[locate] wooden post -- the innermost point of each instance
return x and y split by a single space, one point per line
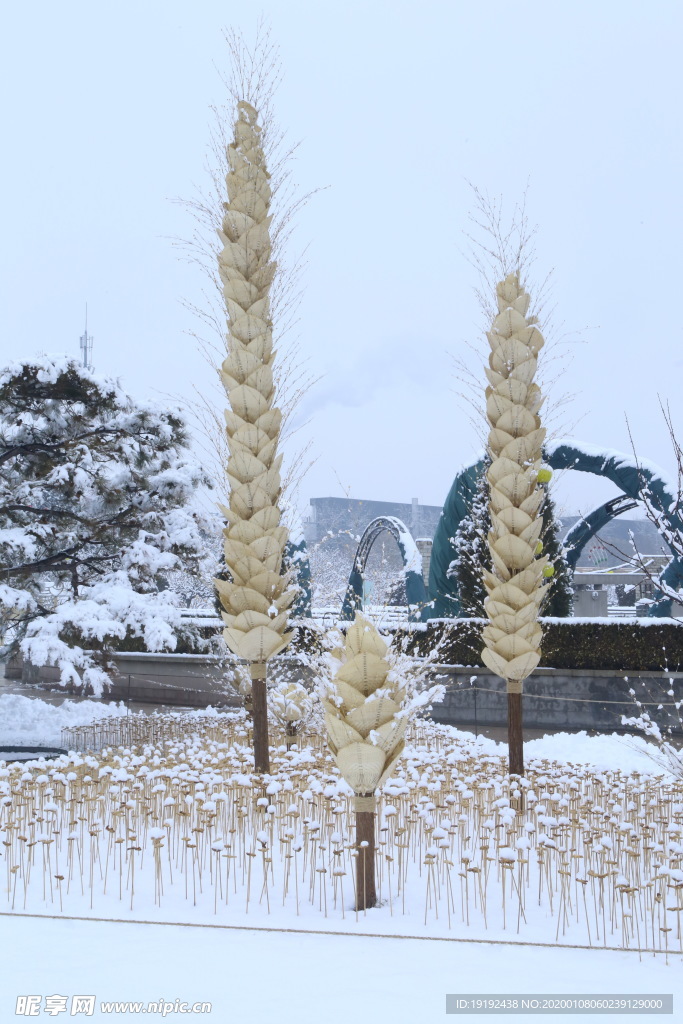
366 893
260 717
515 731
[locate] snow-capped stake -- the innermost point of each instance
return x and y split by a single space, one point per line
257 599
515 586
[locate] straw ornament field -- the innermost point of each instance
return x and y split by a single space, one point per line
172 823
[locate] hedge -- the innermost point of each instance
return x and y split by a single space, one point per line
567 643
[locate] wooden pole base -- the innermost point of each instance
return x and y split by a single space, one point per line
515 735
260 720
366 893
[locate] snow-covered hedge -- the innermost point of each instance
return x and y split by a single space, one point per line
635 645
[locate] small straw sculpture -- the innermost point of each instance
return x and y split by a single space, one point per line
365 730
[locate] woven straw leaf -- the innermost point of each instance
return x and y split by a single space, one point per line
502 622
340 732
499 439
497 611
516 486
523 666
251 438
532 633
262 347
245 466
509 288
512 595
535 399
266 547
506 353
525 370
250 619
250 202
248 403
528 579
496 406
532 504
263 277
499 500
517 421
390 735
235 224
501 468
491 634
500 565
238 599
366 672
249 498
532 337
514 551
494 378
267 518
513 390
258 644
232 422
240 291
516 521
509 322
371 714
532 533
361 764
523 450
494 662
270 584
239 364
512 645
248 327
242 569
352 697
270 422
363 637
391 761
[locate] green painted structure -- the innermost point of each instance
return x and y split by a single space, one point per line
633 479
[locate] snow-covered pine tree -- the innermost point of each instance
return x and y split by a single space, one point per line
558 601
93 496
472 554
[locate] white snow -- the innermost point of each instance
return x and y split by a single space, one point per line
27 720
262 977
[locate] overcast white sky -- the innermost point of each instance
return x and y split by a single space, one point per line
398 104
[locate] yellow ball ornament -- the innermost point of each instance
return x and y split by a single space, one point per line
548 571
539 547
544 476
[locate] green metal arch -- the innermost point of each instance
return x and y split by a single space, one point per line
630 477
415 589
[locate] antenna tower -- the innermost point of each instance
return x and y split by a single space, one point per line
86 345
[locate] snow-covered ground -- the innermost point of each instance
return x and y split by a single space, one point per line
242 934
27 720
258 977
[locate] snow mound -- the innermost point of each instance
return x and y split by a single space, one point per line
27 720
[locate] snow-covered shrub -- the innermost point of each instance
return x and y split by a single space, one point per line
94 499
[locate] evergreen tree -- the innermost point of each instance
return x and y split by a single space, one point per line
472 554
92 512
558 601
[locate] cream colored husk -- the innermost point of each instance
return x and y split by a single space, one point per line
515 587
257 599
362 711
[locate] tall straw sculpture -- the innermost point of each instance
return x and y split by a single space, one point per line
257 599
515 587
365 730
